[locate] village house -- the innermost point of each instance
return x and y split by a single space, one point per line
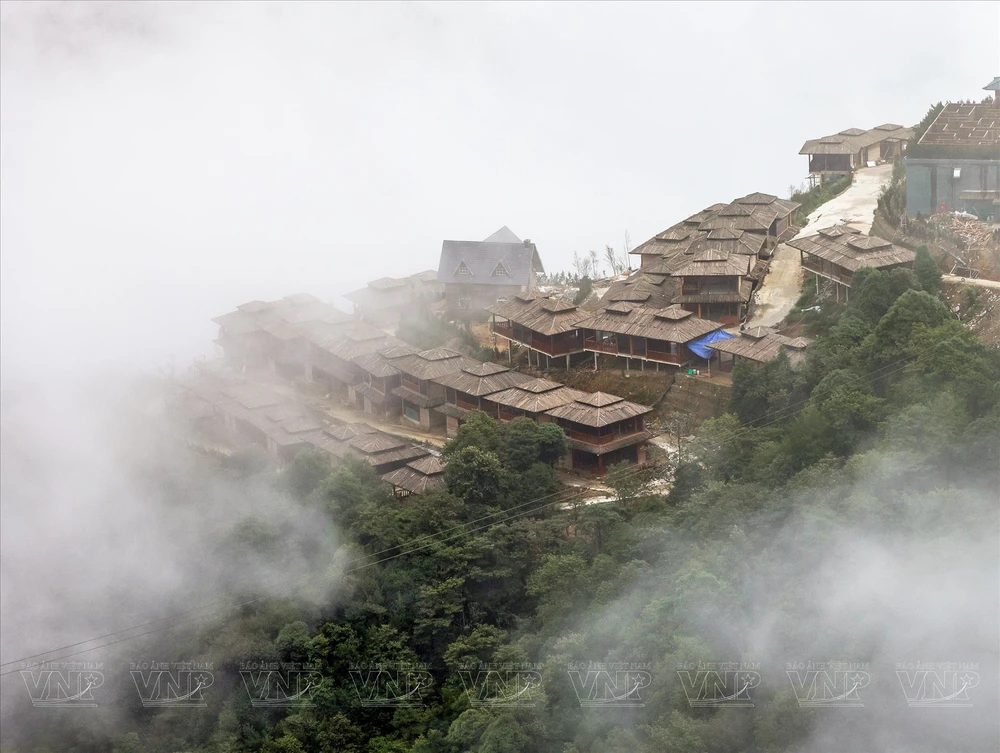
378 378
419 391
333 359
383 452
252 414
716 285
416 477
601 429
271 334
466 388
836 253
759 345
652 287
545 326
710 262
528 399
654 336
676 239
956 163
477 274
760 213
383 301
842 153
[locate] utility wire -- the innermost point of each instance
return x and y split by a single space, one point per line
434 537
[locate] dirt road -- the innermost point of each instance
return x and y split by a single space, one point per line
783 283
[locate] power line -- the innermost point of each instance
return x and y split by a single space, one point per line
462 528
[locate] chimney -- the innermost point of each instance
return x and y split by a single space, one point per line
527 241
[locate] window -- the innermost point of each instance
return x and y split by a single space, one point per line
501 271
957 173
463 270
411 411
465 303
501 300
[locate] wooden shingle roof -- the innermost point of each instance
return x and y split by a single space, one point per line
853 140
482 380
547 316
672 324
849 249
433 363
535 395
711 263
418 476
598 409
762 344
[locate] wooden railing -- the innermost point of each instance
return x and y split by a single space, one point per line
600 346
828 273
559 348
504 330
675 358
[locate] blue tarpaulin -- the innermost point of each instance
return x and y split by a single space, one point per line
702 346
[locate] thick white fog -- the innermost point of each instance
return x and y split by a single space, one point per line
161 162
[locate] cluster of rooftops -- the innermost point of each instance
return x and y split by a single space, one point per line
302 338
261 414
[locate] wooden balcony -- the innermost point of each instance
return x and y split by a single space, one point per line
504 330
601 346
558 348
827 270
650 355
674 358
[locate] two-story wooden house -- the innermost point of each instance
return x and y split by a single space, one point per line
372 393
466 389
271 334
653 336
333 360
716 285
529 399
602 429
545 326
383 301
419 391
757 212
676 239
836 253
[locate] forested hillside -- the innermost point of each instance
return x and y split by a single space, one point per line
841 512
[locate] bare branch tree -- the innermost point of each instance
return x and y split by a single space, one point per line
612 259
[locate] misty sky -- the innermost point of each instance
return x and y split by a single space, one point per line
160 163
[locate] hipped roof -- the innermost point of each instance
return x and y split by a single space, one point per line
849 249
482 380
539 313
853 140
598 409
762 344
672 324
536 396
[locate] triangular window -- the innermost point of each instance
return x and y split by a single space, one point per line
463 269
501 271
